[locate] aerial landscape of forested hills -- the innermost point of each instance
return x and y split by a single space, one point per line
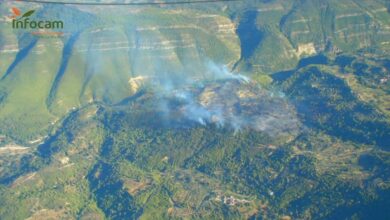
252 109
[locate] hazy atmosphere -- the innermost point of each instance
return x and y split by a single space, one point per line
243 109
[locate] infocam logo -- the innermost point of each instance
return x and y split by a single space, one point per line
23 21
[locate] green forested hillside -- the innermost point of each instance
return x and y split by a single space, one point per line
105 51
251 109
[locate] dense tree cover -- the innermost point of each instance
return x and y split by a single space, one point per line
110 195
325 101
131 161
243 162
147 171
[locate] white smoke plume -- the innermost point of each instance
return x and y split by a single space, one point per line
225 99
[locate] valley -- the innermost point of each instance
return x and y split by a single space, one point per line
236 110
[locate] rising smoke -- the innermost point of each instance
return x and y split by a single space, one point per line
225 99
